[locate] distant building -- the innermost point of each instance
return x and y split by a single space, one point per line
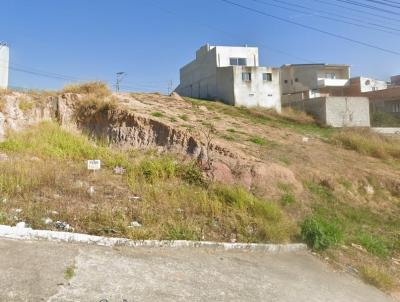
387 101
321 90
395 80
4 57
232 75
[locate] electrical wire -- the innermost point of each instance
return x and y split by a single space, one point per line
386 50
327 17
382 17
330 13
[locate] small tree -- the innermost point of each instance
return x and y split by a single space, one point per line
209 134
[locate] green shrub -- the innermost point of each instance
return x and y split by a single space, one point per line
374 244
181 232
288 198
184 117
258 141
192 174
157 168
157 114
320 233
321 191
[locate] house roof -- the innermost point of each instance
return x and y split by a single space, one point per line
316 64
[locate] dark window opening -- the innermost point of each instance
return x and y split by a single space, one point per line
238 61
246 76
267 77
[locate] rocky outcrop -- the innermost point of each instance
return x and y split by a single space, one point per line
20 111
129 129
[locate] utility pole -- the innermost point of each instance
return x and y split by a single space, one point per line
170 87
120 76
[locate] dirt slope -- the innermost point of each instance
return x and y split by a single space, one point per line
286 159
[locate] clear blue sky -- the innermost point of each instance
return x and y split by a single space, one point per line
152 39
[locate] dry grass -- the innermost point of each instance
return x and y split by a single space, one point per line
366 142
377 277
297 116
97 88
175 200
92 105
26 104
2 104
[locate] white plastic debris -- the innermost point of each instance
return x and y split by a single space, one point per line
47 220
135 224
54 212
21 225
306 139
91 190
369 189
18 210
135 198
119 170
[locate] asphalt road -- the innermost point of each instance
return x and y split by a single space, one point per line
35 271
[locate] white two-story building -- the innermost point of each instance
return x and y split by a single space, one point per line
231 75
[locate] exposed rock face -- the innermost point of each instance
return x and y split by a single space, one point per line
20 111
129 129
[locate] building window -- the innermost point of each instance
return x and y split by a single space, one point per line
267 77
330 75
396 108
296 80
238 61
286 81
246 76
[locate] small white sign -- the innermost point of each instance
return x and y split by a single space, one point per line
94 164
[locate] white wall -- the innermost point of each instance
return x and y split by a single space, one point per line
210 76
198 78
224 53
257 92
368 84
303 77
4 58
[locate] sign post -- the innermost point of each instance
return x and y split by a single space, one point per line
94 164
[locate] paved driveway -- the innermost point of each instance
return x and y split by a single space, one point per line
35 271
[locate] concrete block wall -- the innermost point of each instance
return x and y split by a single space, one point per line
337 111
347 112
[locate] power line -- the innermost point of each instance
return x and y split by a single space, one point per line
386 18
327 17
384 3
313 28
337 15
261 46
375 8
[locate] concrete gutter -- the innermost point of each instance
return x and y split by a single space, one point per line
30 234
387 130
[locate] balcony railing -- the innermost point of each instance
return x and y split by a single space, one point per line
323 82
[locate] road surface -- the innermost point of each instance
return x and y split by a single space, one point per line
36 271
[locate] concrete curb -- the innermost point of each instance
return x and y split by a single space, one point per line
30 234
